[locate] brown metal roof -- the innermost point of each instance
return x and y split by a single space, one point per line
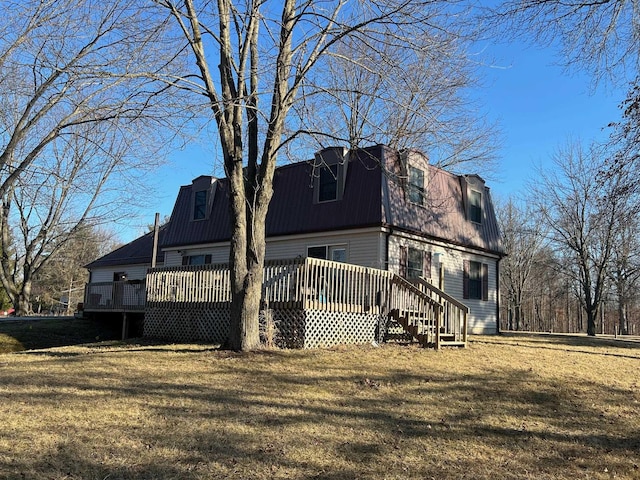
374 195
137 252
292 210
443 216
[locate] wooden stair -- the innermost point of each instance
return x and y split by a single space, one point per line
431 317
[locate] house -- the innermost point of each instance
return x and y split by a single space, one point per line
373 207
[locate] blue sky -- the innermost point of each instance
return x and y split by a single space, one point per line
540 107
537 105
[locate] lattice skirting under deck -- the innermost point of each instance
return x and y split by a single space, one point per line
278 327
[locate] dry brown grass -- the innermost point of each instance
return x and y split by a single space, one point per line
520 407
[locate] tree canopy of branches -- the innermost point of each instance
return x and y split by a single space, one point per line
600 36
73 104
266 57
583 217
402 95
59 284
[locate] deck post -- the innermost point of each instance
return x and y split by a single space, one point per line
438 326
125 326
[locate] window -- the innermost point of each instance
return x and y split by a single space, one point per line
475 206
317 252
339 254
328 186
336 253
414 263
200 205
196 259
476 280
416 186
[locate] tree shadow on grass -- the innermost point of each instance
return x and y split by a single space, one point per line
59 332
244 420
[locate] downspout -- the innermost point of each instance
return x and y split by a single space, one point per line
386 249
498 331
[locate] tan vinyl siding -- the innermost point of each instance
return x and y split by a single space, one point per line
483 314
363 248
105 274
219 254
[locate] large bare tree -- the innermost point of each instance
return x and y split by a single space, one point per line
253 60
582 215
77 95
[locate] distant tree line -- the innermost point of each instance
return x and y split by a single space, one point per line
573 248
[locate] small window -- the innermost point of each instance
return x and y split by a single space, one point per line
200 205
328 186
339 254
416 186
336 253
196 260
317 252
475 206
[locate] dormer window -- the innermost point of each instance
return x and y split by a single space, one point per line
475 206
200 205
472 190
328 186
415 190
203 192
329 174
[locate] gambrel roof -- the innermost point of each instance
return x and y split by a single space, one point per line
374 195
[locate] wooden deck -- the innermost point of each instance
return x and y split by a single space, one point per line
126 296
429 315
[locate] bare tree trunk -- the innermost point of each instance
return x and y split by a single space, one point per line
22 301
591 322
622 318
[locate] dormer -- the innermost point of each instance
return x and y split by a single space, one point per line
473 188
330 174
203 191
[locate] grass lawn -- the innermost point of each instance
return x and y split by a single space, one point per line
509 407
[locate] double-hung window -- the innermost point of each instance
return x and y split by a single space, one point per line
328 186
200 205
475 206
476 280
415 190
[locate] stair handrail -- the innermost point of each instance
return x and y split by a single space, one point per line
432 288
397 281
459 331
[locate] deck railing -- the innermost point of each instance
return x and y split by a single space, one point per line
115 296
306 283
301 283
342 287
